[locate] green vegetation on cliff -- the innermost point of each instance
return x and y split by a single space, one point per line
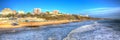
49 16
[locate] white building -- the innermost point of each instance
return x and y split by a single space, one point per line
56 12
37 10
21 12
6 11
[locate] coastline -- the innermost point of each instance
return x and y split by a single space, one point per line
34 24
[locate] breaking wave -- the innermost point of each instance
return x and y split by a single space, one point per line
96 31
88 30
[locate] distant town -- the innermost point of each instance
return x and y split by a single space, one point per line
10 17
7 11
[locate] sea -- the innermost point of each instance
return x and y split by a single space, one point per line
86 30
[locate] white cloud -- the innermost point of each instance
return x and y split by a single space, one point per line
102 10
111 12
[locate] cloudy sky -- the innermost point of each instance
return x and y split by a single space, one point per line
65 6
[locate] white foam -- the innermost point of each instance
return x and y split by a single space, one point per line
101 32
80 29
85 28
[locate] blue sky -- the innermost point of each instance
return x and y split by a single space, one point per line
65 6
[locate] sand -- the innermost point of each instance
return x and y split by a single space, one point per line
32 24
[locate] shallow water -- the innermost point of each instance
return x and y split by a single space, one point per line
88 30
102 30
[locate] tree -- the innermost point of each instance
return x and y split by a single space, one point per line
28 13
0 15
10 15
60 13
47 12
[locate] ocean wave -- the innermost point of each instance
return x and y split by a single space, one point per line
88 30
96 31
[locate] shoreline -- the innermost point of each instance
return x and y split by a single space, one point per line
35 24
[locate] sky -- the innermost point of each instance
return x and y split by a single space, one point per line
64 6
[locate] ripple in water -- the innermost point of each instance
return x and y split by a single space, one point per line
51 32
96 31
88 30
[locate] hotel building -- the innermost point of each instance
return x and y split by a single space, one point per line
56 12
37 11
6 11
14 12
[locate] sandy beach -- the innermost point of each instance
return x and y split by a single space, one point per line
32 24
